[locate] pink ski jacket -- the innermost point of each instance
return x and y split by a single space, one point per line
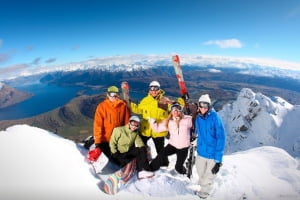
179 136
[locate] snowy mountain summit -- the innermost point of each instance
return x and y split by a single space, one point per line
37 164
255 120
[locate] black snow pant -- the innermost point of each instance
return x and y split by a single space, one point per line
167 151
159 143
104 146
138 153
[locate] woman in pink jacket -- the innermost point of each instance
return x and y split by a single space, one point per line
179 127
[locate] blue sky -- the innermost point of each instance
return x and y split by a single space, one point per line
45 32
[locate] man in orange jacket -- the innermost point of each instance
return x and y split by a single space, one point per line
110 113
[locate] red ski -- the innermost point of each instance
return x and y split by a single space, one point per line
181 83
125 92
192 111
179 76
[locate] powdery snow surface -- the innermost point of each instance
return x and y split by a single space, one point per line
37 164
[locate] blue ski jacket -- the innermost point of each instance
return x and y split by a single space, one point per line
211 136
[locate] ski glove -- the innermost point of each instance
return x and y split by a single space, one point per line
94 154
216 168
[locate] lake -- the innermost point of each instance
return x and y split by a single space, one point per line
46 98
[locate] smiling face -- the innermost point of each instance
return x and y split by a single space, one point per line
176 110
203 107
113 96
134 125
154 90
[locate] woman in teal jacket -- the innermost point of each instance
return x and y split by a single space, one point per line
210 145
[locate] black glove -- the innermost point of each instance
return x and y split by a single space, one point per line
216 168
115 155
193 138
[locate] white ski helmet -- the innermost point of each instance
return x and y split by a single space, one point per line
205 98
154 83
135 118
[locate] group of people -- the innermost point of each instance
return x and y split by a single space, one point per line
122 130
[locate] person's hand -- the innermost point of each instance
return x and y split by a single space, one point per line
94 154
193 139
115 155
151 120
216 168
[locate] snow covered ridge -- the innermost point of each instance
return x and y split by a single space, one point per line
37 164
1 85
254 66
255 120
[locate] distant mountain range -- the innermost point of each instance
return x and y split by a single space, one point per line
252 120
251 66
10 96
222 84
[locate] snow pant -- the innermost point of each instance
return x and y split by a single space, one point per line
159 143
167 151
138 153
104 146
206 177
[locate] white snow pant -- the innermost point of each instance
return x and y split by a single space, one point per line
206 177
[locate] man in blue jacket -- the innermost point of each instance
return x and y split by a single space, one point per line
210 145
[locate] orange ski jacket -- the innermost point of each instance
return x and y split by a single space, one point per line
109 115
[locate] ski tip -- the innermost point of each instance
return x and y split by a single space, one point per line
124 85
176 58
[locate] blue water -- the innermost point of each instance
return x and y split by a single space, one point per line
46 98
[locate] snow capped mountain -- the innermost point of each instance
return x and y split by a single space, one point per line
254 66
37 164
255 120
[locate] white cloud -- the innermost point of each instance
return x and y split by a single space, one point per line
230 43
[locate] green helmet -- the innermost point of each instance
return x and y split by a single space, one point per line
113 89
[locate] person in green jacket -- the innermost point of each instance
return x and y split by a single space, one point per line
126 144
155 105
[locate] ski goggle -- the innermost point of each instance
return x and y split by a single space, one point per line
113 94
203 104
134 125
177 107
154 88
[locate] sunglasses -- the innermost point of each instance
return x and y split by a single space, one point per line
153 88
113 94
134 125
203 105
176 107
